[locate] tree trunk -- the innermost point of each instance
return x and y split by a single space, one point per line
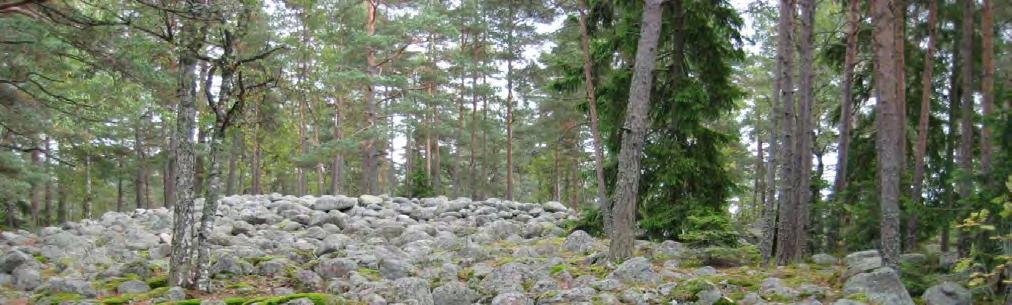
965 183
181 268
48 188
846 111
509 105
955 95
758 187
233 159
769 220
889 128
634 134
987 90
900 11
119 186
36 187
473 165
141 165
588 79
257 158
337 165
169 181
369 171
210 203
87 187
804 131
922 126
788 246
61 203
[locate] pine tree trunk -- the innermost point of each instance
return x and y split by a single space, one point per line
987 90
36 187
473 165
87 188
788 248
955 96
965 184
634 134
769 220
169 181
61 204
900 10
369 170
141 165
119 187
758 187
888 122
922 127
337 165
255 188
48 188
846 111
588 79
804 130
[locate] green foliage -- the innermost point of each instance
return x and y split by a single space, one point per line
590 221
731 256
418 185
714 229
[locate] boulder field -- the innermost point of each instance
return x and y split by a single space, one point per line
274 249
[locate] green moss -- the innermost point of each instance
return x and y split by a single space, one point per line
557 269
257 260
41 259
316 298
465 274
57 298
183 302
158 281
117 300
235 301
369 273
688 290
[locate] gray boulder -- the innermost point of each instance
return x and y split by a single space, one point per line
366 200
338 267
26 277
12 260
578 241
824 259
862 261
74 286
394 269
946 293
507 278
636 270
307 281
881 286
512 298
412 288
133 286
554 206
454 293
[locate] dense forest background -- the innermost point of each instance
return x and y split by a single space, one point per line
490 99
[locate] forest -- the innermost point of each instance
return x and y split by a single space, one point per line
860 147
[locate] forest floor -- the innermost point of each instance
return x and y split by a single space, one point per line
274 249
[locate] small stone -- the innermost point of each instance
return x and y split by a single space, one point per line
512 298
366 200
579 242
335 267
300 301
412 288
175 294
307 281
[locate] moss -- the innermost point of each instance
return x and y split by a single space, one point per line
158 281
183 302
235 300
369 273
58 298
465 274
557 269
117 300
688 290
257 260
731 257
41 259
316 298
238 285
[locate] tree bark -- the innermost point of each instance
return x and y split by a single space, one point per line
61 203
473 165
141 164
770 211
987 90
588 79
888 121
36 187
955 95
965 159
634 131
509 105
846 112
47 201
233 159
87 187
922 126
337 166
169 182
119 186
788 246
369 170
804 131
181 270
255 187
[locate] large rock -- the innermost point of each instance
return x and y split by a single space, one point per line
133 286
862 261
12 260
824 259
636 270
367 200
75 286
26 277
579 242
507 278
328 203
554 206
946 293
454 293
412 288
881 286
512 298
338 267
